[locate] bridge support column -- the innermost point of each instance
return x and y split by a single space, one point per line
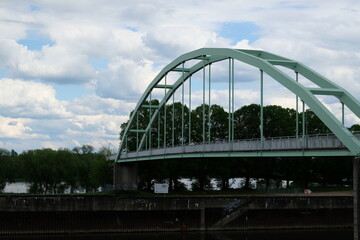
125 176
356 190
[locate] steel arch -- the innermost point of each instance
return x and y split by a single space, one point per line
266 62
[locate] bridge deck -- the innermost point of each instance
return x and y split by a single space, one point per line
316 145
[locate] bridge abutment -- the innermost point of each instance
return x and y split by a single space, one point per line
125 176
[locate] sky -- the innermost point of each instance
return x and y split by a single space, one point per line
71 71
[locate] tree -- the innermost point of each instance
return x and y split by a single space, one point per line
173 171
51 171
332 170
9 167
68 165
4 152
86 162
100 171
224 170
313 124
200 169
197 124
218 123
42 172
4 167
174 124
149 172
279 121
355 128
247 122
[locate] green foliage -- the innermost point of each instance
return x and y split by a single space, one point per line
219 123
355 128
247 122
50 171
279 121
313 124
9 167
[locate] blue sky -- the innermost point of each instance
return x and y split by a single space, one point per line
34 41
70 72
239 30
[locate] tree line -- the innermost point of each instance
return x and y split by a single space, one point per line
278 121
54 171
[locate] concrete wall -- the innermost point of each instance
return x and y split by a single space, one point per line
24 214
44 203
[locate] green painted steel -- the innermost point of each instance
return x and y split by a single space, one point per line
164 86
267 63
233 100
262 109
182 108
165 116
203 105
138 130
149 106
209 115
308 153
189 109
297 108
229 129
303 124
172 121
342 114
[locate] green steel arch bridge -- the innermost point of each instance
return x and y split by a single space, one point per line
340 143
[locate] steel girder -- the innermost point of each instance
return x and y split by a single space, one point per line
266 62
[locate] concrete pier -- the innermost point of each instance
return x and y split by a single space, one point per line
125 176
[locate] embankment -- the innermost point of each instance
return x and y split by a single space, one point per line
25 214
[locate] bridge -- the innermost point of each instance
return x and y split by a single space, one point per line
308 146
153 141
343 142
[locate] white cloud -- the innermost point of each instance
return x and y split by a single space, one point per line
17 129
97 130
243 44
99 105
29 99
134 38
30 110
168 42
125 79
52 63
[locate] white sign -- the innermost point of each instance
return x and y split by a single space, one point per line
307 191
161 188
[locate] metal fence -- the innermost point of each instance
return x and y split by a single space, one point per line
309 142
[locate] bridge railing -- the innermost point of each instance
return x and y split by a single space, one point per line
308 142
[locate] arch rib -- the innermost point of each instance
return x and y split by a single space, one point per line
266 62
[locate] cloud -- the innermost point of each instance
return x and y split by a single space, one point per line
125 79
23 99
97 130
51 64
19 129
99 105
116 49
30 111
168 42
